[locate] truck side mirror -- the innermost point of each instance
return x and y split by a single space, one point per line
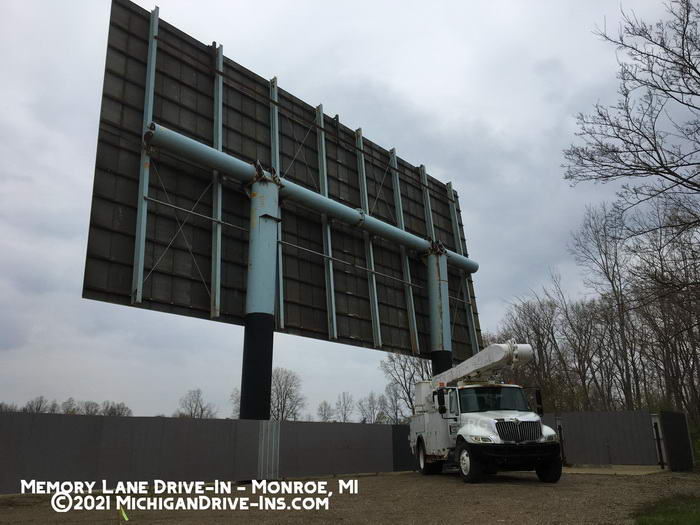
441 401
538 400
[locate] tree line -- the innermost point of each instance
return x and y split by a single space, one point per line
41 405
287 401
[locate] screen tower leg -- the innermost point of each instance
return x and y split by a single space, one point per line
256 377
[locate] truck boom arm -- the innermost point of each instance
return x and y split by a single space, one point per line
483 365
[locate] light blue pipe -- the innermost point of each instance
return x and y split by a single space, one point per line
262 248
199 153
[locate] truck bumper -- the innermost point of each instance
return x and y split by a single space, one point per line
524 456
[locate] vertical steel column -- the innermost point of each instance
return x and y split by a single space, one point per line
260 298
461 250
369 251
405 266
439 301
325 226
216 188
144 170
275 157
438 290
427 208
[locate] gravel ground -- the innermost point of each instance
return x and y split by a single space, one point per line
412 498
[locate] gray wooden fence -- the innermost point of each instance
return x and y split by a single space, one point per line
57 447
624 438
601 438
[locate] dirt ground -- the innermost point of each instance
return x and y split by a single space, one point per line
412 498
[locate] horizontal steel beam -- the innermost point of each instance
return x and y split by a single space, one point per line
199 153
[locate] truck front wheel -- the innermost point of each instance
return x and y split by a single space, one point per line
470 469
424 467
549 471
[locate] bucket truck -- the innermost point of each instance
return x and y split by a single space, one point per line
467 417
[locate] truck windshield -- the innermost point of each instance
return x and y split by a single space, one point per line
482 399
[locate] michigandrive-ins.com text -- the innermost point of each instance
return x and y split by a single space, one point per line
193 496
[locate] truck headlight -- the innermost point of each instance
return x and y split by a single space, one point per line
480 439
551 437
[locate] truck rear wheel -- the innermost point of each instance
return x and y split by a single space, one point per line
550 471
425 467
470 469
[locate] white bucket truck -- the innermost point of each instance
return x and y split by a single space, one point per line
467 418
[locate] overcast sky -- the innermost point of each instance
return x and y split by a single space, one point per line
483 93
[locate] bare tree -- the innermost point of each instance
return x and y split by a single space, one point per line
69 406
344 407
650 139
88 408
236 403
372 408
286 401
404 371
324 411
8 407
394 407
111 408
599 248
38 405
193 405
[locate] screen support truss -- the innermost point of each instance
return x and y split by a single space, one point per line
464 284
216 188
326 227
275 156
405 266
145 165
369 249
265 191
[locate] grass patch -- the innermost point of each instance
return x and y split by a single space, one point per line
674 510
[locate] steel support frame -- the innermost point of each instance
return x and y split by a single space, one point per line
325 226
405 265
204 155
256 377
266 191
275 158
217 187
144 166
369 249
427 208
464 279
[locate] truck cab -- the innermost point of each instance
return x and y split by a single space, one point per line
480 427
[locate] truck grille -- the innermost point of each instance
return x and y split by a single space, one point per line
519 431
